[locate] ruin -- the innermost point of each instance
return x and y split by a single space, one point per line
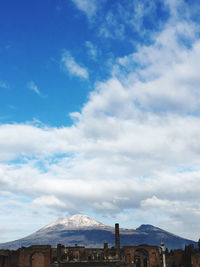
80 256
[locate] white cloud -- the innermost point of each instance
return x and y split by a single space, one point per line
28 140
158 87
155 202
112 22
72 67
89 7
111 27
51 201
129 18
92 50
32 86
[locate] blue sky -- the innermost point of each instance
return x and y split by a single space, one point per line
35 36
99 113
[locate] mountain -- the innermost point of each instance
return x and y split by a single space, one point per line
83 230
77 221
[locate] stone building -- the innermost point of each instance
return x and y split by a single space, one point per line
175 258
9 258
189 257
129 256
141 256
195 260
3 260
35 256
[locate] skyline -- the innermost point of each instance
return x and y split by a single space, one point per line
100 114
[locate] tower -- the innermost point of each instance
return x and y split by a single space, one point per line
117 240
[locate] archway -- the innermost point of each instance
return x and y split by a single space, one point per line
141 258
37 260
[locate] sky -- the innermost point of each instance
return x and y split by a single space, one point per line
100 113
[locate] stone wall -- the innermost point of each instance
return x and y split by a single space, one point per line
3 260
89 264
195 260
35 256
9 258
144 256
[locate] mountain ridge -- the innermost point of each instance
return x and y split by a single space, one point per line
83 230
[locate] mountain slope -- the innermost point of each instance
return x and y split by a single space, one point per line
83 230
77 221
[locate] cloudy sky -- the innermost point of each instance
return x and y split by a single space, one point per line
100 113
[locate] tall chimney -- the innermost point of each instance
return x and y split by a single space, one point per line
117 240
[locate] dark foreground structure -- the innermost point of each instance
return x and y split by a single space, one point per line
79 256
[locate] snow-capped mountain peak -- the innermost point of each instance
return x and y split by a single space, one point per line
75 222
